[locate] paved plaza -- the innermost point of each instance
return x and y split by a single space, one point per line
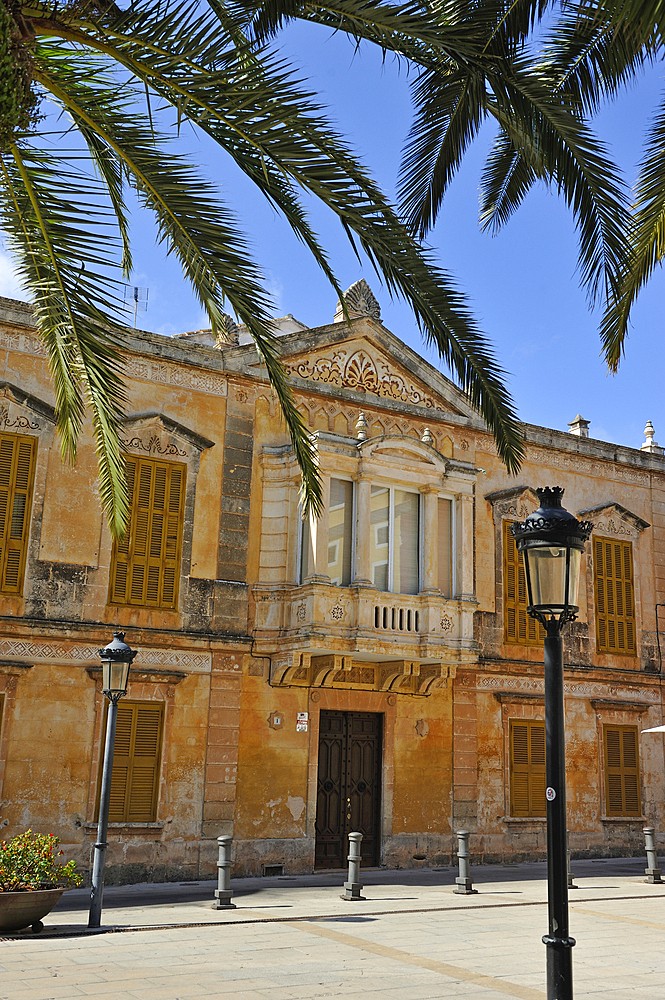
293 938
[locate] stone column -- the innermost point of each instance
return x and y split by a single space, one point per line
319 528
430 507
464 584
362 577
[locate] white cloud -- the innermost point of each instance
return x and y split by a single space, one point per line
10 286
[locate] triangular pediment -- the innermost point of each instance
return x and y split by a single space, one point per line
366 365
612 518
20 411
158 435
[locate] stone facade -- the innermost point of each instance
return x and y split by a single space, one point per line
263 650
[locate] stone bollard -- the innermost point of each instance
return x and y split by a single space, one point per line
571 884
464 880
223 891
652 871
353 887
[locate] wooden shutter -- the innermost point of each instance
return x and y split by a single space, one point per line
527 768
135 775
17 473
518 626
146 562
622 780
614 596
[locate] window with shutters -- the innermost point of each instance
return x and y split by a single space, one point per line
527 768
135 775
145 565
518 627
622 779
17 473
614 596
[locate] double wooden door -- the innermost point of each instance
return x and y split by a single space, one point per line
349 786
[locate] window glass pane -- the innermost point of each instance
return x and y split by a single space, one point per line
306 551
405 558
379 535
445 548
340 532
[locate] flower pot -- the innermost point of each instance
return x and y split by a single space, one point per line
26 909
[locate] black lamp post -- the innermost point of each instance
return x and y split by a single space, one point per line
116 660
551 541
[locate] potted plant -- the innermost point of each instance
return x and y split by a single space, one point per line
32 879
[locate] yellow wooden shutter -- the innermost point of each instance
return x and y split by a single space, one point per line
622 781
142 797
135 775
121 762
17 473
518 626
120 559
146 562
614 596
527 768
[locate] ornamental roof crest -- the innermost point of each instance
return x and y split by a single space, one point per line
357 367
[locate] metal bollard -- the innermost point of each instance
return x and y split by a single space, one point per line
464 880
223 891
353 887
571 884
652 871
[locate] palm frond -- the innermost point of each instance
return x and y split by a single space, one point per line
63 266
647 245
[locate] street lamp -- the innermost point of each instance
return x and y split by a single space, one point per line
551 541
116 660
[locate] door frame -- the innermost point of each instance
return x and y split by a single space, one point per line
341 700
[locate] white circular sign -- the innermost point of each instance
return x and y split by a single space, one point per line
550 794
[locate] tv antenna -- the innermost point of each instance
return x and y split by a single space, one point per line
136 300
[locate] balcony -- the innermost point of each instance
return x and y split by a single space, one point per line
320 635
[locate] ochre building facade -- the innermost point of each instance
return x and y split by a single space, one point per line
374 669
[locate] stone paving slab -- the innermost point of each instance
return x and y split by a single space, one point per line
295 939
474 953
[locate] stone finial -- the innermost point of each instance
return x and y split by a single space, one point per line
362 427
427 436
579 426
650 445
360 301
228 333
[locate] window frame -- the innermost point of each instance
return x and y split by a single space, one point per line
532 813
134 703
27 518
606 649
533 627
622 769
391 487
160 605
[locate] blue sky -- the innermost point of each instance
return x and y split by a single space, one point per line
521 284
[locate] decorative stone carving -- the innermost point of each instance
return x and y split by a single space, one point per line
422 727
427 437
301 612
614 519
362 427
446 623
360 301
517 502
337 612
153 446
362 373
228 334
20 422
175 374
36 651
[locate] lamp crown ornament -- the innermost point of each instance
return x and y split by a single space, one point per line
553 519
117 649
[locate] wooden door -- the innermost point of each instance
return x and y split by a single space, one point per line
349 786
